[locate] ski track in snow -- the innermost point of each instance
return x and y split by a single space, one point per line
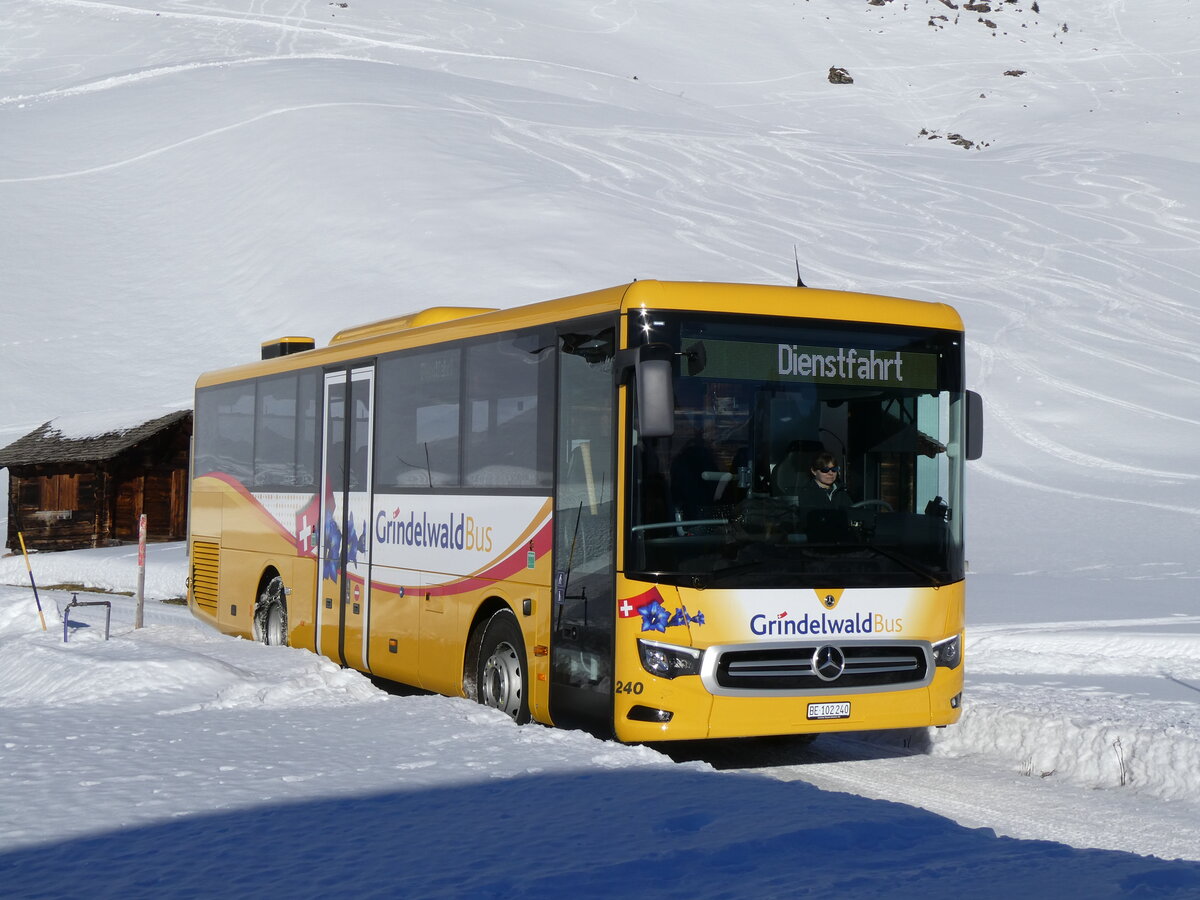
197 138
289 34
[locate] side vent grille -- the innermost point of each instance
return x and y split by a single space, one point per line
205 569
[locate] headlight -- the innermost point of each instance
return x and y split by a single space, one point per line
947 654
668 660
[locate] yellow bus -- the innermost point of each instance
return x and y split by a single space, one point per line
598 511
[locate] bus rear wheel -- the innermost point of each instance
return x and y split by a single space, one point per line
270 614
501 680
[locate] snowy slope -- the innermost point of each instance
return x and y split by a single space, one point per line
181 181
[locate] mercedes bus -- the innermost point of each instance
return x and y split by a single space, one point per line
597 511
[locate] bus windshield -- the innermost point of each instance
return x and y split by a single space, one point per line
735 497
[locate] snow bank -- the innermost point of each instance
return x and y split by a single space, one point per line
1091 738
1103 704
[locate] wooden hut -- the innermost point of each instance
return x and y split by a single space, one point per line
68 491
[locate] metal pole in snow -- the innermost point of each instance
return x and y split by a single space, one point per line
29 569
141 590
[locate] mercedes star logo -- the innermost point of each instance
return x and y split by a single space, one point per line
828 663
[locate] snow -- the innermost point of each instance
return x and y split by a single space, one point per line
104 422
111 569
173 761
184 181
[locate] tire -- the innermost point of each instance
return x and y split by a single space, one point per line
270 614
501 678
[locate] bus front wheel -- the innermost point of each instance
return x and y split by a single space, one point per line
501 680
270 614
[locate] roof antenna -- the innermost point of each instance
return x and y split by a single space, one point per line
799 280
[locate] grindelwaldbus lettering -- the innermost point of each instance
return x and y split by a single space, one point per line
824 624
454 532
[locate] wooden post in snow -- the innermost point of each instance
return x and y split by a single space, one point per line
141 589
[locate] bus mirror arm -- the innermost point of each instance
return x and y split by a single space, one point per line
650 365
974 425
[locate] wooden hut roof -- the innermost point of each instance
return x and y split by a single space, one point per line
48 445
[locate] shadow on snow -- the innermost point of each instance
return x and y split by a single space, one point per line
642 832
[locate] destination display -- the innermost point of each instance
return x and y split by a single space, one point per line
856 366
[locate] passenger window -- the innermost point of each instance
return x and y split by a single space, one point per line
507 426
225 439
417 416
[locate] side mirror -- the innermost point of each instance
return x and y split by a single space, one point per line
974 425
651 367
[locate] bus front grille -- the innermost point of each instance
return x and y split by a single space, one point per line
817 668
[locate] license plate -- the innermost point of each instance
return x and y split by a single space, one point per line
829 710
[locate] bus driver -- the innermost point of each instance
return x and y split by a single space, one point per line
816 489
823 490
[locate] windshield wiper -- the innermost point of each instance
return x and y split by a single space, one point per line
702 580
903 561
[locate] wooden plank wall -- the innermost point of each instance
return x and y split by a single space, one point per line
98 504
69 521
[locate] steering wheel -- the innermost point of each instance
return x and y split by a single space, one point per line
882 504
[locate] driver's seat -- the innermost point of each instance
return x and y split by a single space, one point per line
791 474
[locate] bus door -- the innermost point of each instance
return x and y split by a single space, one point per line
584 608
343 606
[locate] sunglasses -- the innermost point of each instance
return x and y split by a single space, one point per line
828 469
